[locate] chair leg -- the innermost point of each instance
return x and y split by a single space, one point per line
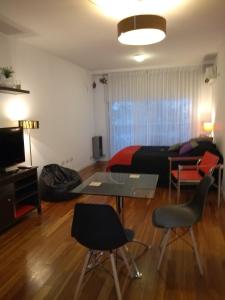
170 183
141 243
126 261
196 251
178 191
163 238
219 188
136 273
165 241
115 276
82 275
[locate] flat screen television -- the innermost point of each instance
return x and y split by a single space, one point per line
11 146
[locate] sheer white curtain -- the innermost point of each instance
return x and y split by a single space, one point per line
154 107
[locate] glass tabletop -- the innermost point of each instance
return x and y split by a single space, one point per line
119 184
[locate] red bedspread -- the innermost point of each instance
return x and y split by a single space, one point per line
123 157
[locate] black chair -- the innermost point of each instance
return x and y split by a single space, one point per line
183 216
98 228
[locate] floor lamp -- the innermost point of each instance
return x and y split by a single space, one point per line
28 125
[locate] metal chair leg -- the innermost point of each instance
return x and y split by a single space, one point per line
141 243
178 191
136 273
170 169
165 241
115 276
196 251
82 275
126 261
162 241
219 188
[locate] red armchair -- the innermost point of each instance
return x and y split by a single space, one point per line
193 174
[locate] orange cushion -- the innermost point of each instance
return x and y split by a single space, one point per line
187 175
123 157
208 162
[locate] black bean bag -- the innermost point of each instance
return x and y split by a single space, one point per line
56 183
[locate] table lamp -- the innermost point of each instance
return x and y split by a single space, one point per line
208 127
28 125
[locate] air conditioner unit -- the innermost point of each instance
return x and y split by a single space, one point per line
210 74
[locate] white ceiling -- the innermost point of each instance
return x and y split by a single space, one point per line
80 32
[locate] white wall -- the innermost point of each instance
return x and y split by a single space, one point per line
219 131
61 98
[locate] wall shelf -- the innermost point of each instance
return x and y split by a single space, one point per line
9 90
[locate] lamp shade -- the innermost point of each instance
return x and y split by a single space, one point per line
28 124
141 30
208 126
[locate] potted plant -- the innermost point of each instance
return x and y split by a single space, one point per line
6 76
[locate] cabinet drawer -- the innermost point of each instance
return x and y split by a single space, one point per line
6 205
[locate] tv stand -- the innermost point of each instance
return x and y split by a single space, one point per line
9 170
18 195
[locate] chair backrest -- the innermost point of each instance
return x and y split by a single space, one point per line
97 227
208 163
197 202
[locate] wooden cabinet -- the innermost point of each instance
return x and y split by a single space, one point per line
18 195
6 205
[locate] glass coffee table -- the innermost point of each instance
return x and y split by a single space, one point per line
120 185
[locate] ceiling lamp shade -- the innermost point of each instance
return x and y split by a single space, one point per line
141 30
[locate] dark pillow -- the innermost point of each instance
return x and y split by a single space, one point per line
187 147
203 138
202 147
175 147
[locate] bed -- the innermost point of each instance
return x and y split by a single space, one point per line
154 159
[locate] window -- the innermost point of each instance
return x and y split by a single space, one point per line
163 122
154 107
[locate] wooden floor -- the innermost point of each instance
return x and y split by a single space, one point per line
40 260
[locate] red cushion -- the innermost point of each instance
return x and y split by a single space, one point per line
208 162
123 157
187 175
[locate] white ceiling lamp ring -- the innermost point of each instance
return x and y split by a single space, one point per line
141 30
139 57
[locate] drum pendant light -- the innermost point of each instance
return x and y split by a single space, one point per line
141 30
